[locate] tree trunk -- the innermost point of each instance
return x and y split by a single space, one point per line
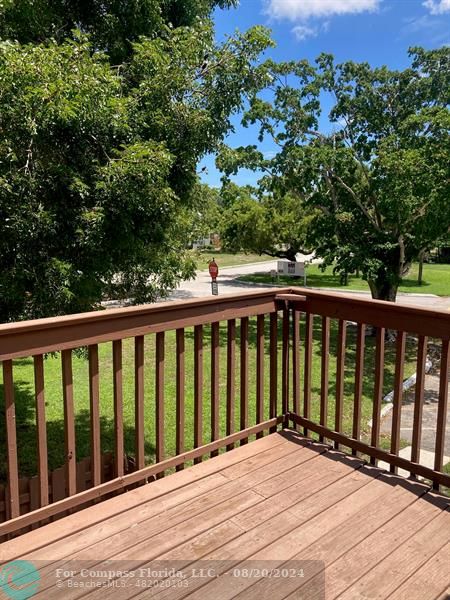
421 259
383 290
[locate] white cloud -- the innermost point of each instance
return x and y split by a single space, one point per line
432 29
437 7
301 10
302 32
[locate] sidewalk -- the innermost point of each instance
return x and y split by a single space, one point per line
431 398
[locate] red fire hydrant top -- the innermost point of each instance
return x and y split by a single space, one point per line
213 269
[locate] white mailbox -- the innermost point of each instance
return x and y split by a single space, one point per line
293 269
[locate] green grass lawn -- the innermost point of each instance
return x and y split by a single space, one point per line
25 411
436 280
225 259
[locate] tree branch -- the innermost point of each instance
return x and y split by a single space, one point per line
357 201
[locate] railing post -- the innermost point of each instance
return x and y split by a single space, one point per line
285 364
260 371
442 409
159 398
307 370
273 367
118 408
244 377
94 406
340 378
398 395
215 401
378 389
324 378
69 423
41 430
11 440
231 367
296 362
180 393
359 380
198 388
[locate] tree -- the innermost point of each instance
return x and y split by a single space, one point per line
264 225
206 213
113 25
98 162
379 181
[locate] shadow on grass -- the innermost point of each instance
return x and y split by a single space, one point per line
318 280
26 432
414 283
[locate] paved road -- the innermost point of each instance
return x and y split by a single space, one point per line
201 285
228 284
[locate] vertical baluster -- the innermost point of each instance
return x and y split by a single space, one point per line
442 408
378 389
359 378
139 401
260 371
181 376
96 458
398 395
340 377
324 377
118 408
296 362
285 366
69 423
198 388
307 372
159 397
418 398
231 368
273 367
41 429
244 377
11 440
214 384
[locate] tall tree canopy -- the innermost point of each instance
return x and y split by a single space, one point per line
98 160
112 24
378 180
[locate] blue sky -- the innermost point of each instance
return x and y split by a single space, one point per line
377 31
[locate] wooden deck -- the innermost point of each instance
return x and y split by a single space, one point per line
280 498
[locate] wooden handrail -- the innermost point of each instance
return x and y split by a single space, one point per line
412 319
27 338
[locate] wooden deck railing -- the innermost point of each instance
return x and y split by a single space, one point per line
289 383
380 316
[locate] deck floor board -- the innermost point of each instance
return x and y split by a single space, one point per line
278 499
